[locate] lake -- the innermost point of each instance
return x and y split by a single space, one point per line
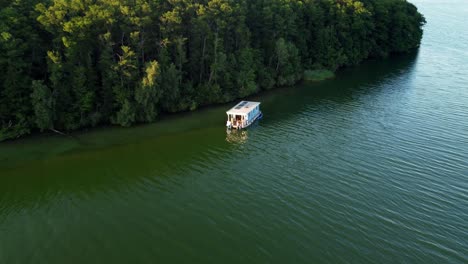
369 167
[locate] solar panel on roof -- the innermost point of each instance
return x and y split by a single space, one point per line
240 105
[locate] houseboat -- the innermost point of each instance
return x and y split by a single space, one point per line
243 115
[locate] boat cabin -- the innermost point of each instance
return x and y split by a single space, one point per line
243 114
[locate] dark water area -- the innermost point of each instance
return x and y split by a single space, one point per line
370 167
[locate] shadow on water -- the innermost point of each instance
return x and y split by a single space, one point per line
368 78
37 170
277 105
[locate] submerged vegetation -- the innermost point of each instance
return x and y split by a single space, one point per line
318 75
69 64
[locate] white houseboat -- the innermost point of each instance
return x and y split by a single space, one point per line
243 115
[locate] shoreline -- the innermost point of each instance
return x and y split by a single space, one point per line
170 115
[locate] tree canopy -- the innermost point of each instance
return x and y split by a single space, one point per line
69 64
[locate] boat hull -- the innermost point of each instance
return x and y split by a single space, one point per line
246 124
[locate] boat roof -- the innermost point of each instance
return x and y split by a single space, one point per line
242 108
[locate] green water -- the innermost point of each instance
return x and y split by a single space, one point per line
370 167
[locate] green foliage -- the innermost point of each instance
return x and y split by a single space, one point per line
147 94
245 74
288 67
170 85
21 61
318 75
125 61
126 115
43 105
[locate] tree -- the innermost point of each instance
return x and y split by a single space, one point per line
43 105
288 68
127 71
73 64
148 93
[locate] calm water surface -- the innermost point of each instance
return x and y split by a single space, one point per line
371 167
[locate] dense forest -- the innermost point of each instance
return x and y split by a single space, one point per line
69 64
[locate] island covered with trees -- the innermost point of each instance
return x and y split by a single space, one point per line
70 64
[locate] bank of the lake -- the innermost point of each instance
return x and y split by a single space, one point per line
74 66
368 167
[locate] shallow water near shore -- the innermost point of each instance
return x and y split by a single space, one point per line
368 167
